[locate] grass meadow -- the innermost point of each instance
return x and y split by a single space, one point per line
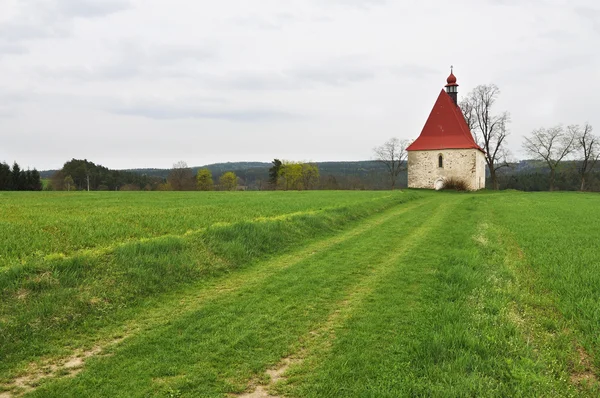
301 294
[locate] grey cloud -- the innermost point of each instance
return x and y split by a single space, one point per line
12 49
355 3
413 71
275 22
333 76
261 23
557 35
591 14
6 112
9 100
53 18
11 97
543 66
18 31
171 54
338 72
561 62
255 81
133 60
119 71
169 111
91 8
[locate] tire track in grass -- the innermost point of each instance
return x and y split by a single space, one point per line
375 345
194 297
222 343
552 338
435 326
318 341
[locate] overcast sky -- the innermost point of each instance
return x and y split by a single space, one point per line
146 83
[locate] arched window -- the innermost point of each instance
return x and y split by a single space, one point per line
440 161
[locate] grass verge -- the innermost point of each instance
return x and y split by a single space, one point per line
50 300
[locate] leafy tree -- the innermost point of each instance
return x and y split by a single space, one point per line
290 175
296 175
310 175
274 172
69 182
87 174
205 180
129 187
331 183
228 181
164 187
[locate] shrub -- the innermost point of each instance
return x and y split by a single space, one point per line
456 184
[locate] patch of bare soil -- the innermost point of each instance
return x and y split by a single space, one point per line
481 236
584 375
65 367
275 374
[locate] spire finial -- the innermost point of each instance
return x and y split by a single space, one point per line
451 68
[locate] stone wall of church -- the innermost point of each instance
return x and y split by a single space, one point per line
465 164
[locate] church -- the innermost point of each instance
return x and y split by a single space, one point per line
446 148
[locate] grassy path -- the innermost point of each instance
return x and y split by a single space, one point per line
434 297
234 335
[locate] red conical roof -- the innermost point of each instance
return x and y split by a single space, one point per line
445 128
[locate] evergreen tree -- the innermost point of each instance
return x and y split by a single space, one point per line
18 178
5 177
36 181
274 172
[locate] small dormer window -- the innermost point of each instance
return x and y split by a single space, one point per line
440 161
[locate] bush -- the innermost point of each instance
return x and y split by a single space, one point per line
455 184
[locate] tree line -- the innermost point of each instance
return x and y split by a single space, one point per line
15 179
288 175
77 175
182 178
284 175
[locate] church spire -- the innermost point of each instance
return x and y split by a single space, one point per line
452 87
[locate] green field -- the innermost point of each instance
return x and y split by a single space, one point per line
302 294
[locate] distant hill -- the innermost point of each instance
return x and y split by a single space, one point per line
365 174
47 173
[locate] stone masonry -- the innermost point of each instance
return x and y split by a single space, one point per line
464 164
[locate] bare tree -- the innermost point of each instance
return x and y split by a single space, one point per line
551 145
589 150
469 113
393 155
181 177
490 131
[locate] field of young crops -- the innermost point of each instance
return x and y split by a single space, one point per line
318 294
